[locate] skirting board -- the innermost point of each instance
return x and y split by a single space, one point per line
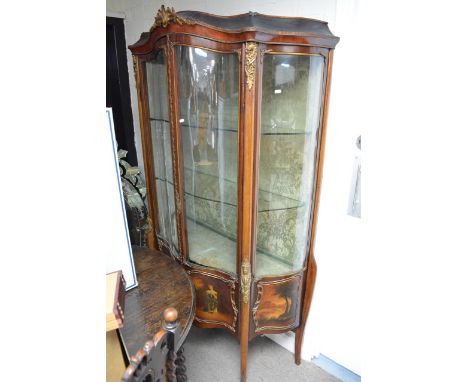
335 369
286 340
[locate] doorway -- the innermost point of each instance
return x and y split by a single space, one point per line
117 87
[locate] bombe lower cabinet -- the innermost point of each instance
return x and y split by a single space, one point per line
233 113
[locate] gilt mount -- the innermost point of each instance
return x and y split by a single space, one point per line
166 16
250 60
245 281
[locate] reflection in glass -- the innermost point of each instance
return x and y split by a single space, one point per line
161 143
290 116
208 85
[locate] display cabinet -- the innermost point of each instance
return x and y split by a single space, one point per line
233 113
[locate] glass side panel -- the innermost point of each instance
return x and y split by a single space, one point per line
290 117
161 142
208 85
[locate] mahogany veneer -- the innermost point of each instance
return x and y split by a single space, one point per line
239 297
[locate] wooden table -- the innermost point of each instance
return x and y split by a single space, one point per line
115 305
162 283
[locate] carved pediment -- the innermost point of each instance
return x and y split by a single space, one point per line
166 16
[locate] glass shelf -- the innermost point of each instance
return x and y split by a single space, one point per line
287 133
279 131
266 198
205 243
210 129
193 127
209 184
159 119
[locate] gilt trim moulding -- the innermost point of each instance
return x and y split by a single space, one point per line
232 286
293 318
250 26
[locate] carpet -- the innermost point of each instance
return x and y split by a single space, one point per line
213 355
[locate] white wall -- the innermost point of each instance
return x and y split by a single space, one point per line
333 323
334 326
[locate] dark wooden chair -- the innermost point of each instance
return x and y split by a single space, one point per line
158 361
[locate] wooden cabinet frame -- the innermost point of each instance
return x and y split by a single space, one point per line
251 37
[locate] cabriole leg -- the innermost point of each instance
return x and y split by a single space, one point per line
243 362
298 344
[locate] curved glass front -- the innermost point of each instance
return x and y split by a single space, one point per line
161 143
290 119
208 92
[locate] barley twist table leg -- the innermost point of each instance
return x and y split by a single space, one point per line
180 366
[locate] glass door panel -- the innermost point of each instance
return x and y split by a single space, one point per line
208 86
290 117
161 142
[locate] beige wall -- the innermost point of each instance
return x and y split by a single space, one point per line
115 6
